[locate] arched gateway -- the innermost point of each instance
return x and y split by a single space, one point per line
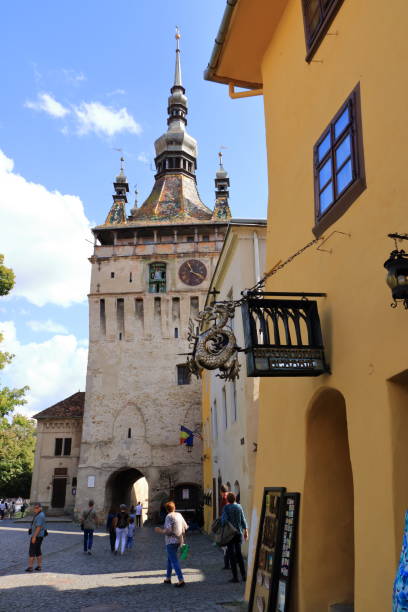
126 486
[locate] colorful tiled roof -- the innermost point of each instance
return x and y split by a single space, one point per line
71 407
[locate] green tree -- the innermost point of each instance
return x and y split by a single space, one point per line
17 436
7 278
17 445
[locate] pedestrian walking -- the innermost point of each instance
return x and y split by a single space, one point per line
111 529
223 503
139 510
234 514
121 523
89 525
23 509
12 509
130 533
2 509
174 529
37 533
132 512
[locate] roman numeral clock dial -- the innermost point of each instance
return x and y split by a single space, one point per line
192 272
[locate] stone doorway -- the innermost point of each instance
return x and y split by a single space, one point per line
327 526
127 486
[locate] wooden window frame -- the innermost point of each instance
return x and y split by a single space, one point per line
342 202
327 15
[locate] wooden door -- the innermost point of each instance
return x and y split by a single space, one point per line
59 488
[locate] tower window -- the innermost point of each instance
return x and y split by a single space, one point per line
176 332
102 317
157 278
183 374
129 432
112 275
130 277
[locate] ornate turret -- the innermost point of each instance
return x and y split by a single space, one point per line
174 195
221 209
117 213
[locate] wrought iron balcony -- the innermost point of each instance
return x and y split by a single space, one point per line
283 336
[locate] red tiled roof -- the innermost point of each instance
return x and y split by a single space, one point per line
70 408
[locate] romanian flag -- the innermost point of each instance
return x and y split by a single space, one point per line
186 436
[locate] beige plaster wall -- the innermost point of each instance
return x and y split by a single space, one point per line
45 461
234 449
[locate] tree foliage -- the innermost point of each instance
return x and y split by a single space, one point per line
17 445
7 278
17 436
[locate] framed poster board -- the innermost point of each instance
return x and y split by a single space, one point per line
267 563
288 549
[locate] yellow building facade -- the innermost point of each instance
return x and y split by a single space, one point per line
339 439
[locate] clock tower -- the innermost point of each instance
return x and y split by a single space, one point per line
151 271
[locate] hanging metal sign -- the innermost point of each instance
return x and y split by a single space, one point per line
282 337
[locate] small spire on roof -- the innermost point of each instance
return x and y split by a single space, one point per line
177 71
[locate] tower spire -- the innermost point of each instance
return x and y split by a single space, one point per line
221 208
117 213
177 70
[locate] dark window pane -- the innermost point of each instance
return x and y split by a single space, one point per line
343 151
183 375
324 146
326 198
67 446
344 177
58 446
342 122
325 174
313 16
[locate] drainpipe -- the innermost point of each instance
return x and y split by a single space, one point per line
256 258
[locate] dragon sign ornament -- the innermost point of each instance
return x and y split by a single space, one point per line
213 342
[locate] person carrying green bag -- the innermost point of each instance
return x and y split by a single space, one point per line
174 529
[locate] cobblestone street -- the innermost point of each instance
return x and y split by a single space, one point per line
71 580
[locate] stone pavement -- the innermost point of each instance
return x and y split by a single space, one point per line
103 582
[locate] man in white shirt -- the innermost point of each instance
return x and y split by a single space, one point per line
139 509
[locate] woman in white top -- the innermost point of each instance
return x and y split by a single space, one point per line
174 529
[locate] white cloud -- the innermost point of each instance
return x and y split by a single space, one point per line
53 369
116 92
47 326
47 103
47 247
104 120
73 77
142 157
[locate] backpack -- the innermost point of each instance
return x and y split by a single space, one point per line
123 520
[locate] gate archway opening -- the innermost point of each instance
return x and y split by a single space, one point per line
127 486
328 506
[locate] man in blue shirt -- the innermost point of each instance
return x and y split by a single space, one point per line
37 533
234 513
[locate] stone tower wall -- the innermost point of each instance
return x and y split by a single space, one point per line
134 405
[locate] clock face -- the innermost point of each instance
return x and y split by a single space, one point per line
192 272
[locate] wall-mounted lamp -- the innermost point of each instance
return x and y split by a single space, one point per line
397 268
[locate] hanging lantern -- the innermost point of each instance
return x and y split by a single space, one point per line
397 277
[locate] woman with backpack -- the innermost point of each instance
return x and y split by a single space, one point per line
120 524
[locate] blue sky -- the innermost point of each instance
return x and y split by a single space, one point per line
80 79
